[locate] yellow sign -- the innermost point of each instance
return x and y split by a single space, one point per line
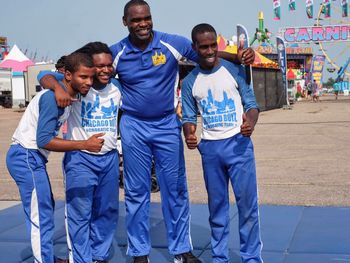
289 50
158 59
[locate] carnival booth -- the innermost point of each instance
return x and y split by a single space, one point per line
18 63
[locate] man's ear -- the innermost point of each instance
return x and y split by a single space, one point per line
124 21
193 46
68 75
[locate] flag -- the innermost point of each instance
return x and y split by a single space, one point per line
277 9
317 66
291 5
282 61
242 36
310 8
344 8
326 8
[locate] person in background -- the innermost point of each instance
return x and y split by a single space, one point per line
315 91
336 90
60 68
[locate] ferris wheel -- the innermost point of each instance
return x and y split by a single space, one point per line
341 50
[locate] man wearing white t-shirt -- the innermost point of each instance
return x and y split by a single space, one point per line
229 113
92 179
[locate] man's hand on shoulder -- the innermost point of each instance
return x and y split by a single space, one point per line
63 98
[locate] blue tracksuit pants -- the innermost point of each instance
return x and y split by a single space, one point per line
160 138
92 199
232 159
28 169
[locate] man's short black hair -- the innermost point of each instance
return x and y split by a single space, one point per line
75 60
200 29
133 3
60 62
94 48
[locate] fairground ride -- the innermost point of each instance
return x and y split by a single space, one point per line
335 51
262 34
341 71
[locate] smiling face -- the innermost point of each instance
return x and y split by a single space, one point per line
138 19
207 48
104 67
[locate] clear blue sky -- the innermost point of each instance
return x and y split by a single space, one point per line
54 28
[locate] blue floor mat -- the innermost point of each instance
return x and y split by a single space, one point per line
291 234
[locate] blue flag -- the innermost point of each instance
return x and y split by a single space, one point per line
282 61
243 40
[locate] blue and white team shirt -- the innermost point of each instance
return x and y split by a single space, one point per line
221 95
40 122
95 113
149 77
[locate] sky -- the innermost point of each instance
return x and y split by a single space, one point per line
54 28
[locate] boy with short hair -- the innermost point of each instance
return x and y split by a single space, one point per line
34 138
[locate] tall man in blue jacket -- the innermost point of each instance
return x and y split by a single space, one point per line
147 66
229 113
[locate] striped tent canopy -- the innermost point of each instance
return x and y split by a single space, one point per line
16 60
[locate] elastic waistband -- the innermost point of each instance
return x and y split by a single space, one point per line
156 118
113 151
34 151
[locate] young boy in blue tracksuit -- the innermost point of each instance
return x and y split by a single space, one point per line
32 141
229 113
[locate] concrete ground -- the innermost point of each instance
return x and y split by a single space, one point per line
302 156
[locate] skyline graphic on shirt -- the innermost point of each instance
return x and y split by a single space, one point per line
218 114
214 107
96 111
97 117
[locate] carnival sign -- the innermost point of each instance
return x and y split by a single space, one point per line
327 33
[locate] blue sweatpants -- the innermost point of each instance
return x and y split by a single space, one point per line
224 160
28 169
92 199
160 138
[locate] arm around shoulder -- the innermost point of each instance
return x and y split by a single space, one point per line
49 80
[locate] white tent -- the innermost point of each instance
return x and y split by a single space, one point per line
18 62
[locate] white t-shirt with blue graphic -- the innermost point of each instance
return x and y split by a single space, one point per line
40 122
221 95
95 113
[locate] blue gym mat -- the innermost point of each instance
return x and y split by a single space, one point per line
291 234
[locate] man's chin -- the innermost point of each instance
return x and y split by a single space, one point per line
103 81
84 93
144 37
